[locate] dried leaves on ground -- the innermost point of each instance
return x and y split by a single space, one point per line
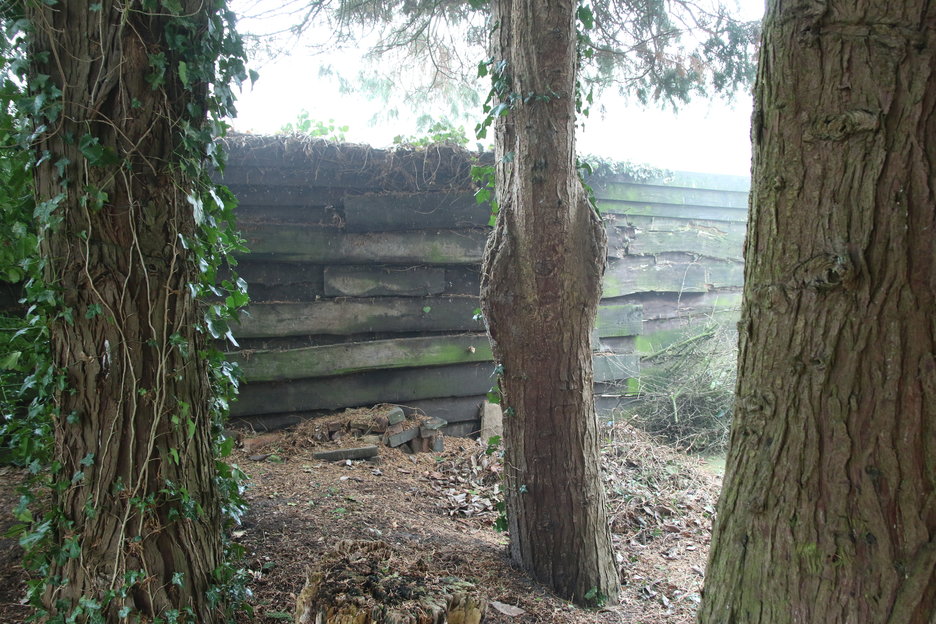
436 513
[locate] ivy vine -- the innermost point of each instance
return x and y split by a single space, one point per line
207 58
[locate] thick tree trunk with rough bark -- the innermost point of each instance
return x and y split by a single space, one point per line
142 516
540 291
828 513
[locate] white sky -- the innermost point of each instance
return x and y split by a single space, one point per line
705 136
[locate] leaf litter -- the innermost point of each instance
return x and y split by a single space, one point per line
439 509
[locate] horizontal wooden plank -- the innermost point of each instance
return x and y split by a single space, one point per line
689 240
369 388
633 274
346 317
614 344
619 320
271 273
680 305
319 216
304 161
465 429
724 274
465 280
264 195
663 333
678 273
354 357
670 224
357 169
308 244
648 193
691 179
364 281
612 367
649 209
450 409
388 212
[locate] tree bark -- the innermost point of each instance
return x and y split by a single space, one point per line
828 512
540 289
141 526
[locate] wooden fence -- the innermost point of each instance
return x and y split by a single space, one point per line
364 277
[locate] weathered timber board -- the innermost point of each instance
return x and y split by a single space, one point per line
463 281
356 357
450 409
693 179
615 344
674 305
348 316
676 211
662 333
613 402
724 274
262 195
403 175
684 179
281 281
310 244
269 273
688 240
299 161
621 319
388 212
633 274
319 216
326 175
613 367
671 224
465 429
385 386
301 281
341 359
302 291
366 281
677 273
648 193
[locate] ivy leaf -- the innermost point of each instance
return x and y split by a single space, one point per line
10 360
586 16
183 73
97 154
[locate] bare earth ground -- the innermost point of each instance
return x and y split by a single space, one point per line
436 511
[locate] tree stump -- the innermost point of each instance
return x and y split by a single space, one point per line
360 582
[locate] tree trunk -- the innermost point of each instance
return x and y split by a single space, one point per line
828 512
141 527
540 290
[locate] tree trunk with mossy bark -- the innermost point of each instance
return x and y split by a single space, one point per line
828 512
540 290
140 534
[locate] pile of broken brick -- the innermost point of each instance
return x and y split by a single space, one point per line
388 428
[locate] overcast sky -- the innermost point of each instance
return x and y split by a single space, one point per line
706 136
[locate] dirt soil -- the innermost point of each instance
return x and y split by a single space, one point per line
436 512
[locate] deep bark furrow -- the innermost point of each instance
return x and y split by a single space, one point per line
830 490
540 291
129 511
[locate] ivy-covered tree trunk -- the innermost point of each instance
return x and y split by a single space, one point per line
540 290
828 512
140 530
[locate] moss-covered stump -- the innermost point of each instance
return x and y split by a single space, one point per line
363 582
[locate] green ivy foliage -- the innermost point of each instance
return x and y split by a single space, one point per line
308 126
211 59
